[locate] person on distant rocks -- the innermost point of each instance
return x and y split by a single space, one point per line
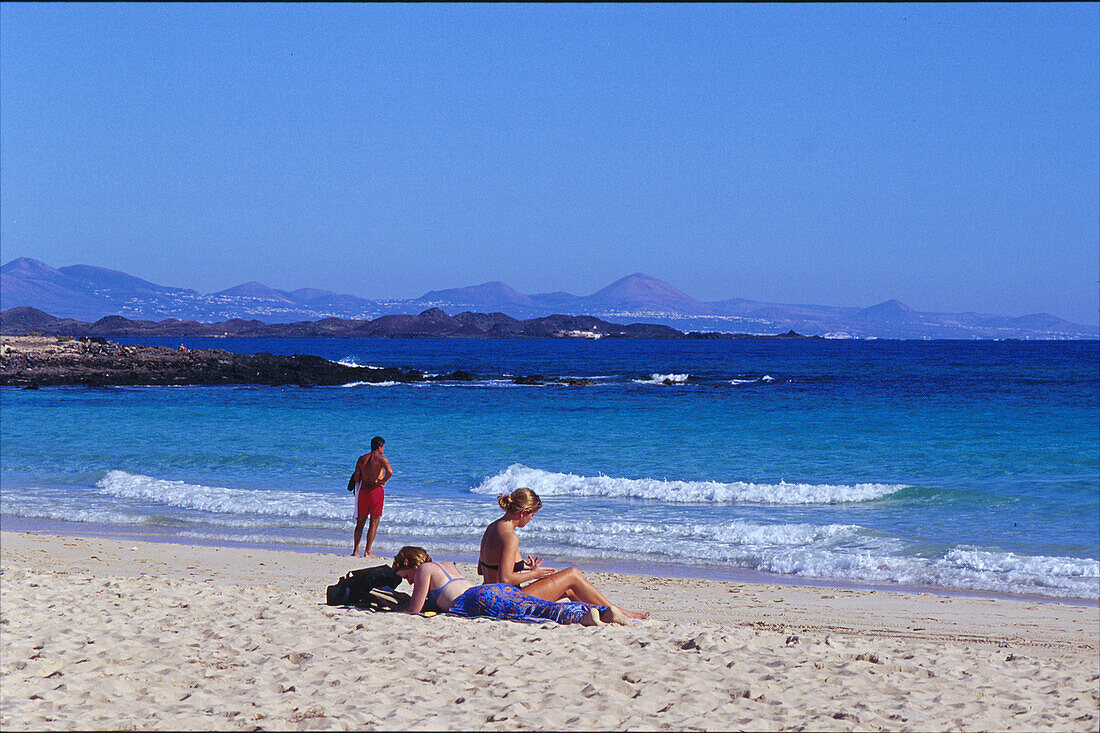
500 562
442 586
368 481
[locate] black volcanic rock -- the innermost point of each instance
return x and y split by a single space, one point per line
34 361
649 331
538 379
432 323
492 324
455 376
713 336
791 335
26 320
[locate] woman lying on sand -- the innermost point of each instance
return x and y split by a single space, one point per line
500 561
443 585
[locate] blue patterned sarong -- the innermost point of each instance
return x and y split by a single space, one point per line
500 600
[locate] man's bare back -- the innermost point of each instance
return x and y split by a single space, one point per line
373 469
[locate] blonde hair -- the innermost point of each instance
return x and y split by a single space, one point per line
520 500
410 558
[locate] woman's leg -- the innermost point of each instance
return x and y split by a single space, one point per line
568 583
572 585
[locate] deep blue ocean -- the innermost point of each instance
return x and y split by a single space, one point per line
936 465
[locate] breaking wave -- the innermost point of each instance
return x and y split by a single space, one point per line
351 361
664 379
547 483
758 380
224 500
824 552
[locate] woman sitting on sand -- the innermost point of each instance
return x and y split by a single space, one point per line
442 585
500 561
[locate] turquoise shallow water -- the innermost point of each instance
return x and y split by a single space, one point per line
959 465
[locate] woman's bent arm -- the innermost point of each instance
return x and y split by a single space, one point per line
422 583
507 573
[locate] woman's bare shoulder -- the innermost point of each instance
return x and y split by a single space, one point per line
496 529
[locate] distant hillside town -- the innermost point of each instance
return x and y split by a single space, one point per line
86 293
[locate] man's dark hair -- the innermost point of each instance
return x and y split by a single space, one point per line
376 442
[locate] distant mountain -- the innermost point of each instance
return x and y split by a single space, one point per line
306 295
102 280
89 293
891 313
557 302
257 291
487 295
29 282
640 292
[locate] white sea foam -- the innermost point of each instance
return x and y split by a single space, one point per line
76 514
225 500
996 571
265 539
832 551
720 542
547 483
967 558
822 552
453 525
369 384
765 379
664 379
351 361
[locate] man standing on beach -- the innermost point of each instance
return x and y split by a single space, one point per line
368 481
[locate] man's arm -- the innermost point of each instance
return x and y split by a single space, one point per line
388 470
355 475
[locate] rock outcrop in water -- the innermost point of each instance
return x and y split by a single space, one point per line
30 361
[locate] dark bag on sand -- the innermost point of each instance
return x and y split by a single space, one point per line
354 589
384 599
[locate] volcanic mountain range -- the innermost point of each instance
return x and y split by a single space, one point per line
88 293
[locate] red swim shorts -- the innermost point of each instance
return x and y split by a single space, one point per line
369 501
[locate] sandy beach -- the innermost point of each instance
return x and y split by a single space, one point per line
109 634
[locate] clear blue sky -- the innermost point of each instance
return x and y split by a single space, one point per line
831 154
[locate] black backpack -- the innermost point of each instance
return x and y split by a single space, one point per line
354 589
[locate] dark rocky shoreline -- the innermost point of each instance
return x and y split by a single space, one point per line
95 362
42 350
